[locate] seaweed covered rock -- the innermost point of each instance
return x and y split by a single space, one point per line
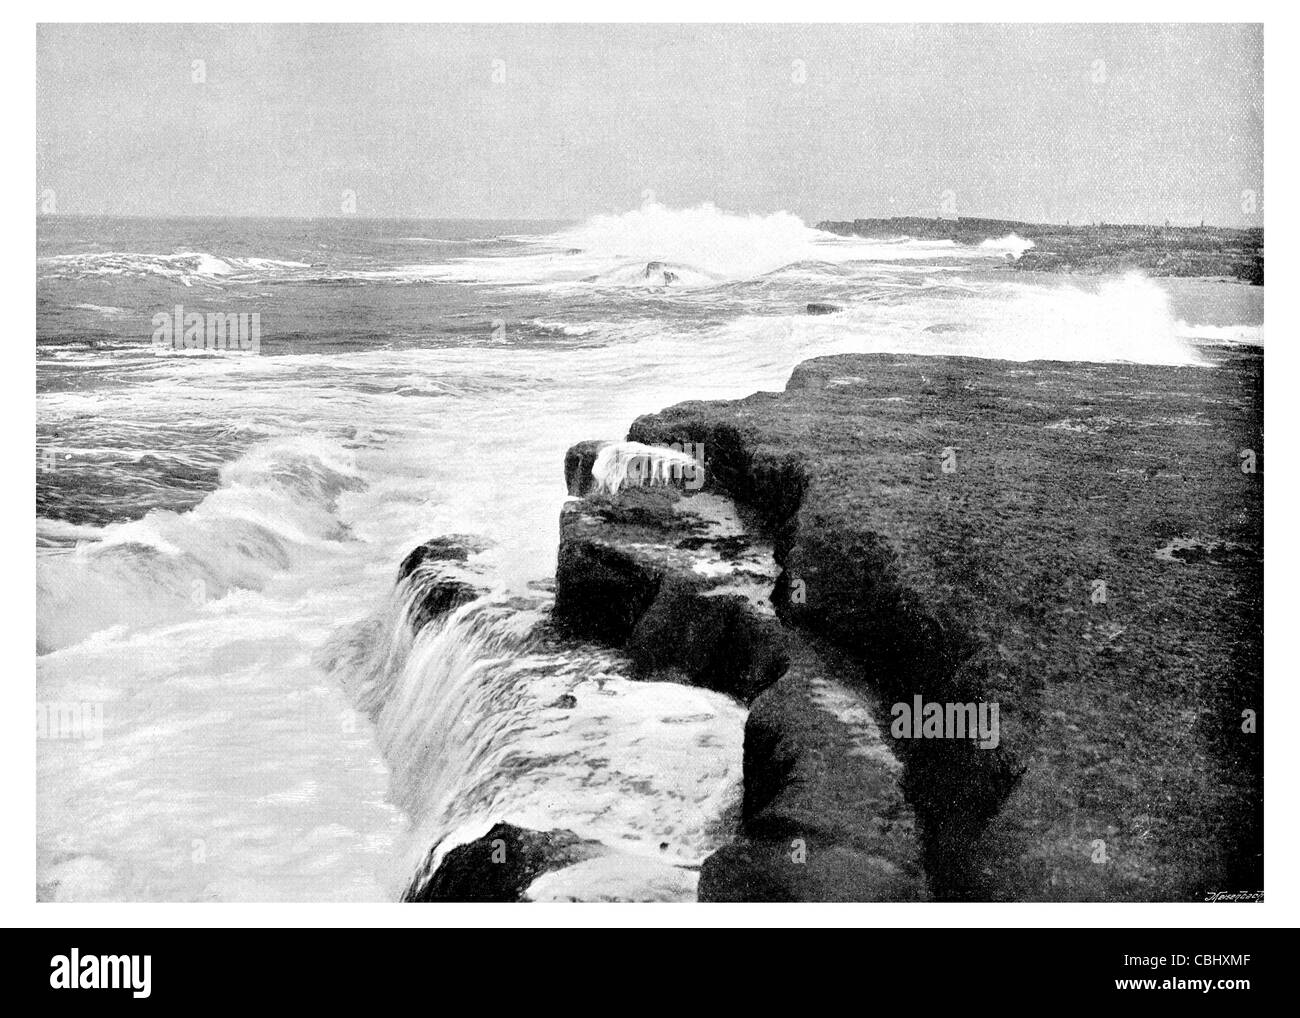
1009 533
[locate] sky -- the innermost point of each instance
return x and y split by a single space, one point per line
1047 123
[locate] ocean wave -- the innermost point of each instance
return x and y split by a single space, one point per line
184 267
1127 319
565 328
272 506
1011 245
656 247
106 311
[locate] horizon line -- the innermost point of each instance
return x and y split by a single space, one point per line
1167 225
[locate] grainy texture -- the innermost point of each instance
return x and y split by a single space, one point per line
1122 705
1092 248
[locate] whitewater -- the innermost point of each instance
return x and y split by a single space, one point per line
218 535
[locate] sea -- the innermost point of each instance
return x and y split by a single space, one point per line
230 706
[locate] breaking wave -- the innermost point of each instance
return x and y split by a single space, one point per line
656 247
273 505
1012 245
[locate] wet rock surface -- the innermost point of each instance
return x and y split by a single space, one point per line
439 578
502 864
683 584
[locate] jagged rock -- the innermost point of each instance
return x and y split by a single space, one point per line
578 462
673 581
601 587
501 864
684 588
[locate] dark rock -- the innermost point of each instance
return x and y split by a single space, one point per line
601 588
654 573
1091 248
500 865
974 584
718 642
453 548
441 597
437 579
798 869
823 309
578 462
567 701
824 816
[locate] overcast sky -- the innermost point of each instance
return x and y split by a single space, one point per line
1049 123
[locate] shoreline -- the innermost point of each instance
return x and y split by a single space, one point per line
1090 562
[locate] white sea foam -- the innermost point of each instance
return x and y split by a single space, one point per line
1012 245
219 713
656 247
271 505
470 720
184 267
621 463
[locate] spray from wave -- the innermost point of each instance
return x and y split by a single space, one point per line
1128 319
716 244
1012 245
660 248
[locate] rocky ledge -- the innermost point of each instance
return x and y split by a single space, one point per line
671 569
1072 550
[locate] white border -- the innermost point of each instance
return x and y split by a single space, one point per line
17 617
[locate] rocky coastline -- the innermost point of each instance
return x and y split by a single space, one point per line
1094 248
1077 545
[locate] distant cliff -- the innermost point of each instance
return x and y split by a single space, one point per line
1096 248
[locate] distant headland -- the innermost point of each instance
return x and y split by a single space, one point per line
1091 248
